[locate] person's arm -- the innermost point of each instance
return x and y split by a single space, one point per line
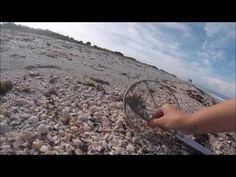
215 119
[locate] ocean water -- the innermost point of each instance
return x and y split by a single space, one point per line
214 94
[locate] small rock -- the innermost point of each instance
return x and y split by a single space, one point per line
85 106
4 128
95 138
104 145
61 132
130 147
33 74
66 112
117 149
33 119
106 136
119 122
65 120
78 143
57 126
2 118
5 147
24 116
37 144
164 147
20 102
87 127
74 128
128 134
27 136
81 118
99 148
42 129
44 148
78 151
50 138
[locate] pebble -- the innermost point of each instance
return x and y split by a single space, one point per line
81 118
4 128
229 142
42 129
65 112
33 119
130 147
78 143
2 118
61 132
57 126
27 136
85 106
99 148
128 134
74 128
25 116
87 127
119 122
20 102
117 149
44 148
78 151
104 145
37 144
50 138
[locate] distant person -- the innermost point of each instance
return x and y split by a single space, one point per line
214 119
190 81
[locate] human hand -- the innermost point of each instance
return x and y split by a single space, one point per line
170 118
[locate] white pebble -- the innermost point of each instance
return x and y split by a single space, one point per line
43 148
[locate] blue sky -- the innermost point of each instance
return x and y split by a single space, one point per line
204 52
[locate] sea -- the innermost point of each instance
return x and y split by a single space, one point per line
214 94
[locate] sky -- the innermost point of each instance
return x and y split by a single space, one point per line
204 52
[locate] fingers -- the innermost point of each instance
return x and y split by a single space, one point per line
161 111
156 123
157 114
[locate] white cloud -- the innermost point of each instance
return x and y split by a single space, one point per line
184 28
224 29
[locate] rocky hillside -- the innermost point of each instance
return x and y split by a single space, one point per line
59 96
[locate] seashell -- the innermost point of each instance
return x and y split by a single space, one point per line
44 148
37 144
